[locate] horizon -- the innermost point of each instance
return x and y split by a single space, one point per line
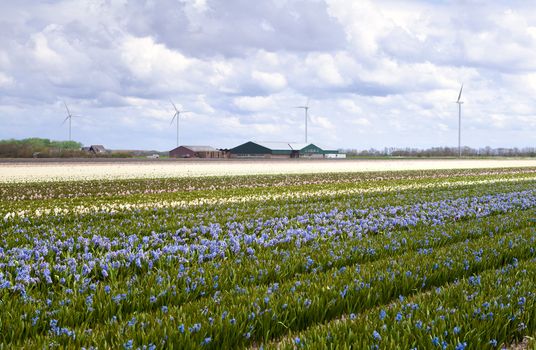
377 74
384 151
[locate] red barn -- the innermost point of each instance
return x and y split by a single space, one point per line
195 152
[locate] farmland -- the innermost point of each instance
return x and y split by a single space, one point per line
389 259
32 170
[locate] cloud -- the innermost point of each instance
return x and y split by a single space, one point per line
360 121
254 104
5 80
271 82
325 69
377 73
322 122
350 106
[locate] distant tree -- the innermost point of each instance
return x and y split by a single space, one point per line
66 145
32 147
444 152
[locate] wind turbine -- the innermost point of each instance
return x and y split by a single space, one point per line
176 115
69 117
459 102
306 109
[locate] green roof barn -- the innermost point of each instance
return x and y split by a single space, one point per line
276 150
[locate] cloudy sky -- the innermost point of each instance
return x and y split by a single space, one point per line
378 73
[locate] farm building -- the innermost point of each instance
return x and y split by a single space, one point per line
277 150
97 149
335 155
195 152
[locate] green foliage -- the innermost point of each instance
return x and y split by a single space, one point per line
38 147
333 261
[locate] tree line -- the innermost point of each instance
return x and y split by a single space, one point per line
444 152
45 148
40 148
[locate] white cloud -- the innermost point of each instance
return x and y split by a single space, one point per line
254 103
43 53
203 105
498 121
387 71
5 80
364 24
350 106
149 60
272 82
443 127
322 122
265 25
360 121
325 68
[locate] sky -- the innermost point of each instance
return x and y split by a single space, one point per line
382 73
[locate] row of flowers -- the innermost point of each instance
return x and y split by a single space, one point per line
290 272
30 264
118 206
110 188
492 310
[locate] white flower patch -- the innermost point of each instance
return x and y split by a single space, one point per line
32 172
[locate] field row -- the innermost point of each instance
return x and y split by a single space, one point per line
117 170
189 200
438 265
126 188
238 313
483 311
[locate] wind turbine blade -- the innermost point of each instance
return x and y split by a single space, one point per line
307 104
64 120
176 110
67 108
173 119
460 95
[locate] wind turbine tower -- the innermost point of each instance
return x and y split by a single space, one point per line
460 102
69 117
306 109
176 115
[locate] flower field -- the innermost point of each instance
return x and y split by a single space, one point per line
422 259
32 171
